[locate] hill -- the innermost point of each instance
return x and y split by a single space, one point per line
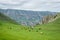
4 18
12 31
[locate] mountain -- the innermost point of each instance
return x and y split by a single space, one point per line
11 31
26 17
5 19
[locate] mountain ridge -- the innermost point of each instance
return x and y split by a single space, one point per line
26 17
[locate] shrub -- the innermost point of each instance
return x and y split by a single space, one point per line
0 23
29 30
39 28
36 30
55 16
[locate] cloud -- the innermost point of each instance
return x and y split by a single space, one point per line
38 5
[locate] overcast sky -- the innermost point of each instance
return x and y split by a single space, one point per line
38 5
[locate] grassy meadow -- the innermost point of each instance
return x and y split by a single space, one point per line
11 31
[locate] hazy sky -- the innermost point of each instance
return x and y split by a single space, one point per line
39 5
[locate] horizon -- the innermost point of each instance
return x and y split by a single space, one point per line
32 10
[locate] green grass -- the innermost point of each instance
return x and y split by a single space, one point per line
12 31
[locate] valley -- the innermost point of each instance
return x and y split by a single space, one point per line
9 30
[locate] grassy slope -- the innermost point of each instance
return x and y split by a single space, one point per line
11 31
